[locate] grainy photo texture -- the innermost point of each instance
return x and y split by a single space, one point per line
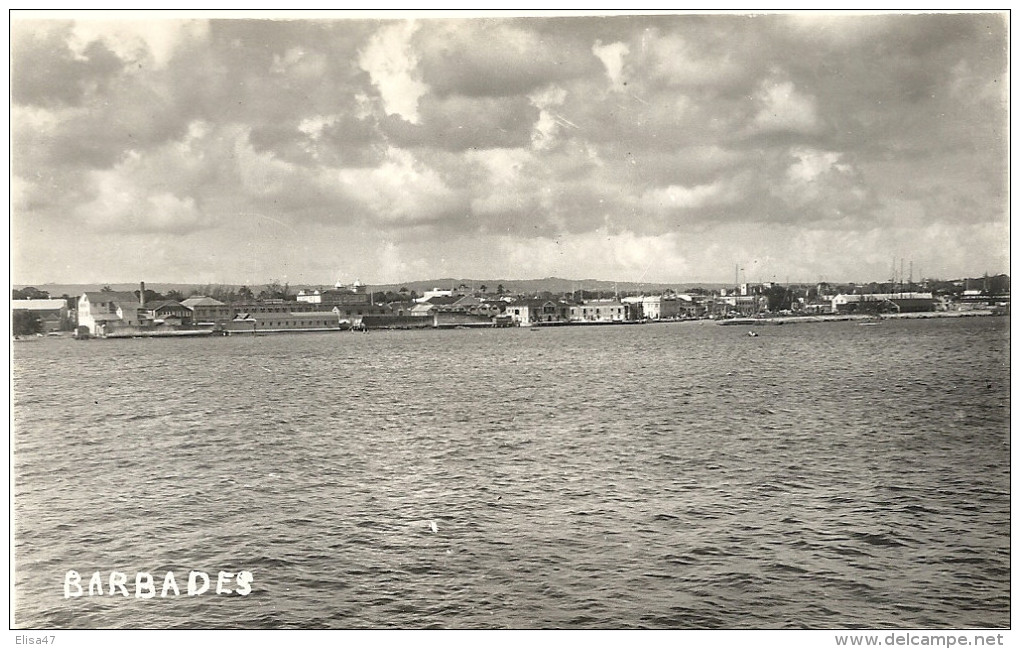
510 322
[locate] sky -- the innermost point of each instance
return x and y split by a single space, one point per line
649 148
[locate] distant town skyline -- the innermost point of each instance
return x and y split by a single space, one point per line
650 148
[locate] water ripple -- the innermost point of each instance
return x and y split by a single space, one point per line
668 476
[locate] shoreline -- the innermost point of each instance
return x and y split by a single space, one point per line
745 322
782 320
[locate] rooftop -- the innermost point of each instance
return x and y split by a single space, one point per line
37 305
201 300
122 298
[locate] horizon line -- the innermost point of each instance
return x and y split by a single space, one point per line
502 280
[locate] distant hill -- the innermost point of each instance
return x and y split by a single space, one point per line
551 284
71 290
513 286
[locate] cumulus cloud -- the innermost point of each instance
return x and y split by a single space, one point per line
300 63
784 108
566 143
121 206
677 60
818 185
150 41
401 189
391 62
680 197
549 123
612 56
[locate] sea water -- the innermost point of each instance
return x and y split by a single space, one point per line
672 476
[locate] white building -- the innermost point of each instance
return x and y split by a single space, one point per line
656 307
436 292
102 310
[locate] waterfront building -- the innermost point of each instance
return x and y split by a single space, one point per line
207 310
980 299
525 312
52 313
275 306
442 302
308 320
655 307
424 310
607 310
101 311
466 304
743 305
477 306
279 322
690 306
353 313
883 303
169 312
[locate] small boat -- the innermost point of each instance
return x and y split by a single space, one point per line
752 334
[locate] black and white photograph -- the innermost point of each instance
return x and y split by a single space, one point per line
437 321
